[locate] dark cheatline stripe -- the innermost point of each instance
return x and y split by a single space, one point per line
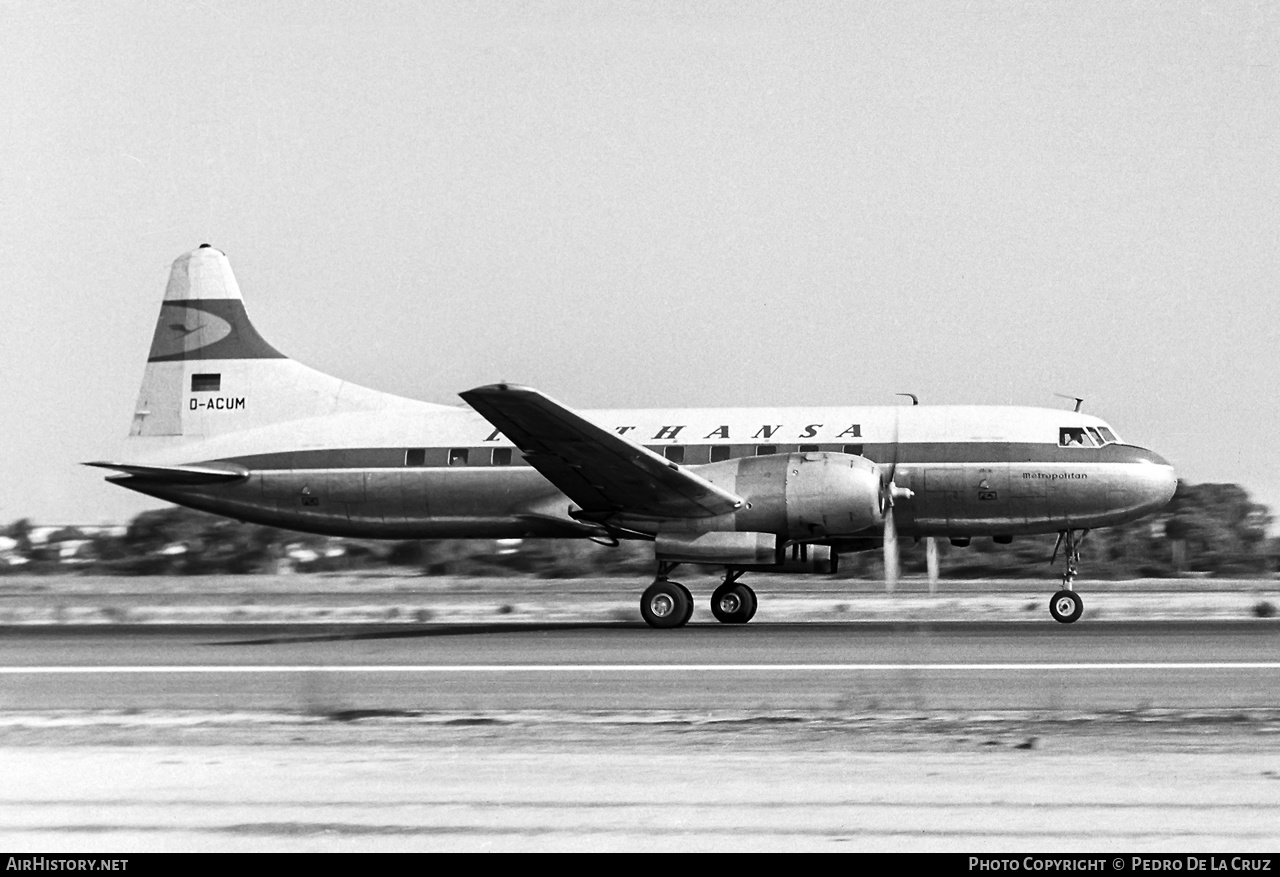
242 342
918 453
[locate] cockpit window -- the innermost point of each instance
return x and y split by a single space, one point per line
1086 436
1074 437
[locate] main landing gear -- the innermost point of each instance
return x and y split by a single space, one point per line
1066 605
667 604
733 602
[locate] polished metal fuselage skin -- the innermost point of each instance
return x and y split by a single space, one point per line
991 481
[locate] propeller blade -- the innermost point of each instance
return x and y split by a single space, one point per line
889 493
888 490
931 562
897 421
890 552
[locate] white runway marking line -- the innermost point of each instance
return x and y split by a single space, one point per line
613 668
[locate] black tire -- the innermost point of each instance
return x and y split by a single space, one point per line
688 613
665 605
733 604
1066 606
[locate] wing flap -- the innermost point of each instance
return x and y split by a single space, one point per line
599 470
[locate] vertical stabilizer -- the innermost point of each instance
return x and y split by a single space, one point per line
209 372
203 314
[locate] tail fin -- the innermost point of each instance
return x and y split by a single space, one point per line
209 372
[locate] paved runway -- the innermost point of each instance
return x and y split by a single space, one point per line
849 668
724 796
858 736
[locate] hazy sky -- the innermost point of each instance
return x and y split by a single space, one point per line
633 204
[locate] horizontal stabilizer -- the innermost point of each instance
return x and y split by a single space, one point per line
598 469
175 474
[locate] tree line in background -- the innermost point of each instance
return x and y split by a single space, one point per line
1207 529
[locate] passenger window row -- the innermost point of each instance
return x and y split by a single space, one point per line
460 456
683 454
694 454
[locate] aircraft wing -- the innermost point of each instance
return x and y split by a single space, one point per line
599 470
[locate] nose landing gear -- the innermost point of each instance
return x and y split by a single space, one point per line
1066 605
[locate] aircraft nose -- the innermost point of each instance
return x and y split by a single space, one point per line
1158 480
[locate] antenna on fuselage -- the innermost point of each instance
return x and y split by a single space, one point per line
911 396
1077 399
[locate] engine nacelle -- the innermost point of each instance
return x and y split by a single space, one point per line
799 496
745 551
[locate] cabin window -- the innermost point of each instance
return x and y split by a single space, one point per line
805 449
763 450
1074 437
458 457
856 450
719 452
502 456
206 383
415 457
674 453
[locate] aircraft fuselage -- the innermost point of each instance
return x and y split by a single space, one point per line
463 480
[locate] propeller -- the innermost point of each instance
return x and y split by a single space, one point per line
889 494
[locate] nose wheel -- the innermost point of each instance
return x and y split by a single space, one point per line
1066 605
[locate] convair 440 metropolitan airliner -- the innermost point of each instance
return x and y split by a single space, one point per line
227 424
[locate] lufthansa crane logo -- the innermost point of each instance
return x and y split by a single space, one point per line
185 329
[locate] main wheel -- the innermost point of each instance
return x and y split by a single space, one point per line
665 604
688 613
1066 606
733 603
